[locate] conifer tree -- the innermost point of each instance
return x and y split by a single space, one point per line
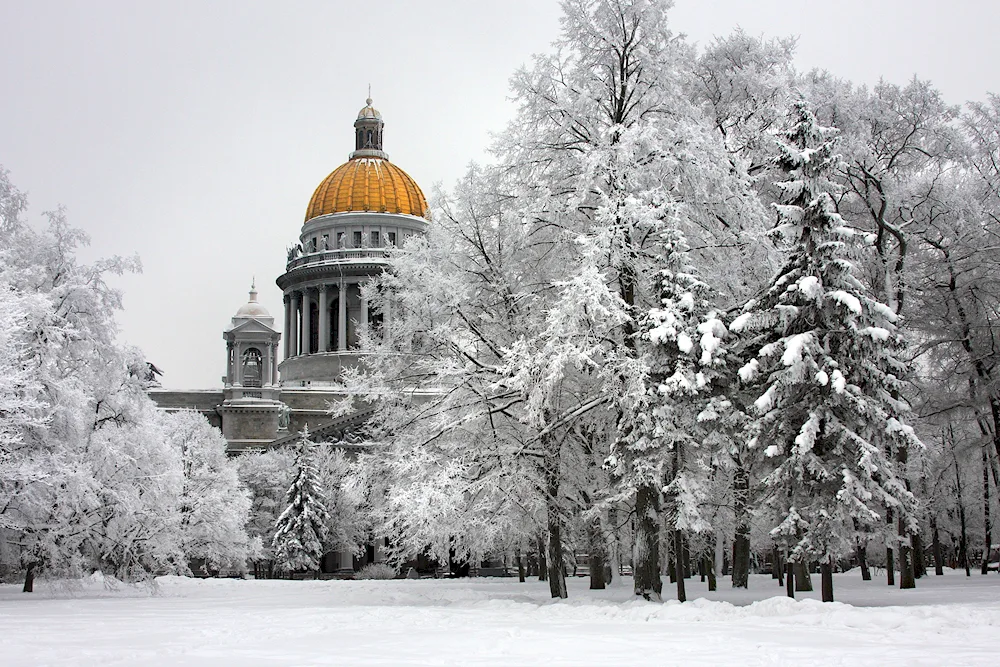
300 532
662 453
824 355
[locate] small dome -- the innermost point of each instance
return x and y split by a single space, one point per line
252 308
369 112
367 184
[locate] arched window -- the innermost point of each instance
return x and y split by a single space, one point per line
252 367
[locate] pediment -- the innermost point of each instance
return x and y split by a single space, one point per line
251 326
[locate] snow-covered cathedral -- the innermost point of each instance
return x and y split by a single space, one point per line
363 207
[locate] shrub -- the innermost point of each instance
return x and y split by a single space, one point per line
376 571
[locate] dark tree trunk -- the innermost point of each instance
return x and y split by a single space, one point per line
543 568
679 564
907 578
779 566
598 556
938 555
29 579
741 540
647 543
520 568
826 576
790 579
890 559
987 527
919 560
614 558
862 553
687 560
803 582
775 567
710 570
963 540
557 573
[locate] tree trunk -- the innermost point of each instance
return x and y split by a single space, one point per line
710 569
862 553
938 555
803 582
29 579
557 574
907 578
963 540
679 564
647 543
790 579
543 568
826 576
987 528
919 560
598 558
779 566
614 558
890 560
741 540
520 568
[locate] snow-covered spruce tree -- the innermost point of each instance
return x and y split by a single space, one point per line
661 453
825 354
300 533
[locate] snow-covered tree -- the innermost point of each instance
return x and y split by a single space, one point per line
267 476
214 504
661 451
301 532
825 354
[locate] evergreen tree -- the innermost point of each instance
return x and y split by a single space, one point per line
825 354
300 532
662 452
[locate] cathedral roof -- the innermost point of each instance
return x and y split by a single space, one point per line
367 181
367 184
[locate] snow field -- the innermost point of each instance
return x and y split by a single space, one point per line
949 620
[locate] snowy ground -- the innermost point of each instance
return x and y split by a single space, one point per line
948 620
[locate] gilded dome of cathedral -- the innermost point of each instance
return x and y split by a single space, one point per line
367 182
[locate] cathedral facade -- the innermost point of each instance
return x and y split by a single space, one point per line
364 207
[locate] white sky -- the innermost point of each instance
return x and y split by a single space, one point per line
194 133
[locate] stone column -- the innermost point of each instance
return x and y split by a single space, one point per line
342 317
293 332
265 365
307 323
237 363
324 320
274 364
229 363
288 324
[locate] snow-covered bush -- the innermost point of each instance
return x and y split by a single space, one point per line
376 571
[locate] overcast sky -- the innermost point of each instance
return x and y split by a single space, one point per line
193 133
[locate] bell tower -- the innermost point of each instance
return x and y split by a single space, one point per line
250 408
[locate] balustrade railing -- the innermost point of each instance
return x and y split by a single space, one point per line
334 256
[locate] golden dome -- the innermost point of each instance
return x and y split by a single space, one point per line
367 183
